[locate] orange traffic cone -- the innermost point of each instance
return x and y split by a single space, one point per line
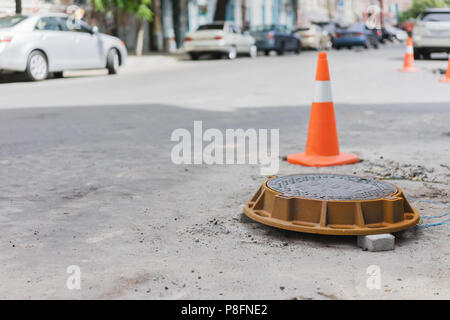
408 61
447 74
322 146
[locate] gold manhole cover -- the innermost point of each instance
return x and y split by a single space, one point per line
331 204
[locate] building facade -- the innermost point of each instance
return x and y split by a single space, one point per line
8 7
174 18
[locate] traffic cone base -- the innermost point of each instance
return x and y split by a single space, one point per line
447 74
409 69
322 161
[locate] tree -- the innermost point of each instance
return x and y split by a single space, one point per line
180 22
419 5
221 9
140 8
244 14
18 6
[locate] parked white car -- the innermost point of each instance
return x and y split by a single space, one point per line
52 43
399 34
431 32
220 38
314 37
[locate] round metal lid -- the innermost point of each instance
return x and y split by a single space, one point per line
331 187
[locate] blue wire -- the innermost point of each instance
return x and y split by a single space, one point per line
431 217
426 225
431 201
444 222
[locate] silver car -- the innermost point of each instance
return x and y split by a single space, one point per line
52 43
432 32
220 38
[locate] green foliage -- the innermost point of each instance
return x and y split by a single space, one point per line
403 16
419 5
141 8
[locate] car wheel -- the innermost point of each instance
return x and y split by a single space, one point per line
417 54
299 48
280 50
337 47
37 66
253 52
113 61
193 56
58 75
232 54
367 44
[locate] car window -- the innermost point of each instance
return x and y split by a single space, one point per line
215 26
76 25
49 24
436 16
355 27
263 28
331 27
234 29
8 22
285 29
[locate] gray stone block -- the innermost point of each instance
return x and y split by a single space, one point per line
377 242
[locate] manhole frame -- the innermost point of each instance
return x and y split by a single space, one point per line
323 175
319 216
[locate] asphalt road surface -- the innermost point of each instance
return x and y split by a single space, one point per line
87 180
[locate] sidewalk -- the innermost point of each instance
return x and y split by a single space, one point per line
135 65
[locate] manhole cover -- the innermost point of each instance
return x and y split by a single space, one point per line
331 204
331 187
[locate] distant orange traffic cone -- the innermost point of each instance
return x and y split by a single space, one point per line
408 61
322 146
447 74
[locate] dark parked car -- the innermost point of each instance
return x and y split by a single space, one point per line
378 34
387 34
355 35
276 37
